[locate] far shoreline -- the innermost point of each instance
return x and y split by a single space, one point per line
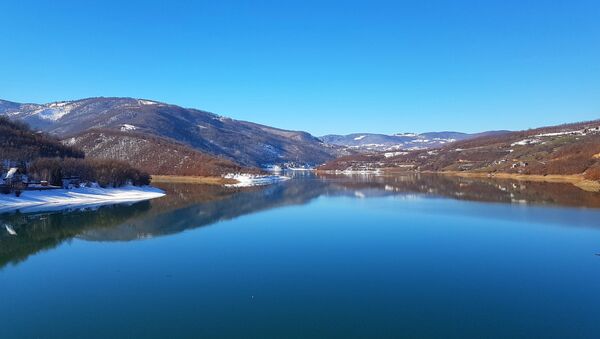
183 179
229 180
577 180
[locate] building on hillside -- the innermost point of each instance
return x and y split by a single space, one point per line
13 176
14 180
520 164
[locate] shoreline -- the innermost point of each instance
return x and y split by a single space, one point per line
229 180
183 179
30 201
575 179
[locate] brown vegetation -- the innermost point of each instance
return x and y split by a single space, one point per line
19 144
560 150
192 180
239 141
593 173
44 158
352 161
155 155
105 172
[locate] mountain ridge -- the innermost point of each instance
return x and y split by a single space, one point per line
567 149
377 142
244 142
153 154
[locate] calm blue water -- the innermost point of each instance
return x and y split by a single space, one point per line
313 257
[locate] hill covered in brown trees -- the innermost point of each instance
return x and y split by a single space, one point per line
155 155
44 158
556 150
243 142
20 144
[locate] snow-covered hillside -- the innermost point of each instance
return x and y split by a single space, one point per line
369 142
243 142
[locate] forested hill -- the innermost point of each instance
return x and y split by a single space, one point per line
246 143
19 143
153 154
44 158
21 146
567 149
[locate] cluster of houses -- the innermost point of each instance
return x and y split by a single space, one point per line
518 164
14 180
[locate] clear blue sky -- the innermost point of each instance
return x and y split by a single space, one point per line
321 66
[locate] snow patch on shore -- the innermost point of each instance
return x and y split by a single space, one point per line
350 171
248 180
77 197
273 168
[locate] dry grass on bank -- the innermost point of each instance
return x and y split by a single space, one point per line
575 179
192 180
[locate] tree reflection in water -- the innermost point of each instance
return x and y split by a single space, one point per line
189 206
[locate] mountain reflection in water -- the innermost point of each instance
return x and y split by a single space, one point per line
189 206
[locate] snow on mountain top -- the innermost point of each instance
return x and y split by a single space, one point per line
538 138
147 102
58 104
573 132
127 127
53 112
360 137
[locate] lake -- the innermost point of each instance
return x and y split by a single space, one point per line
317 256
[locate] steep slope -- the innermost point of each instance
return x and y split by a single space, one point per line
561 150
152 154
240 141
369 142
8 106
43 157
19 143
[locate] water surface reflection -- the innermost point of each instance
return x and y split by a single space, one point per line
189 206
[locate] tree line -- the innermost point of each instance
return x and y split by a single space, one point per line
106 172
44 158
19 143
